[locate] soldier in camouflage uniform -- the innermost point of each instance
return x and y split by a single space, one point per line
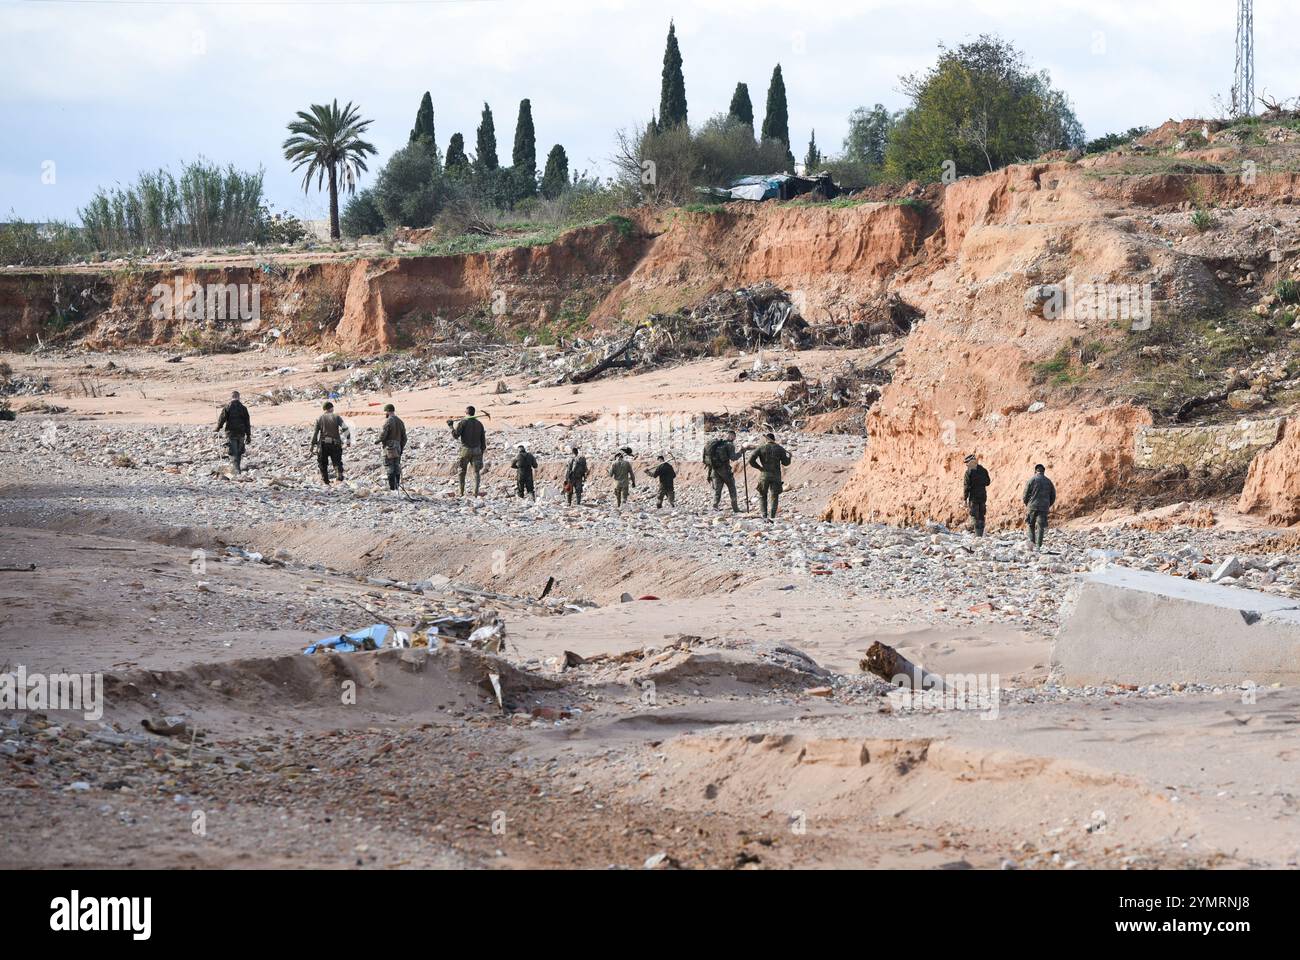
768 460
575 476
327 440
975 491
623 475
719 455
524 464
393 439
238 425
1039 497
473 441
666 475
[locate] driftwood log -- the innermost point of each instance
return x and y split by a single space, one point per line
888 664
614 360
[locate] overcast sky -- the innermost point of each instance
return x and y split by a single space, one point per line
105 88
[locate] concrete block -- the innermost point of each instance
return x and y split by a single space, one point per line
1131 626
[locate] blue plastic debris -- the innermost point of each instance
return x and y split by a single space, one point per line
371 638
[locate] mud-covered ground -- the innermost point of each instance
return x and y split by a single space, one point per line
720 722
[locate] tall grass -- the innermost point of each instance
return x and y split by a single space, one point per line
27 244
204 206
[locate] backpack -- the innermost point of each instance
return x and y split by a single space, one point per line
711 455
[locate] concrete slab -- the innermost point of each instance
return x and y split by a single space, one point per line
1131 626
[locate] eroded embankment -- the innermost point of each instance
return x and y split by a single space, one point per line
980 372
363 305
987 373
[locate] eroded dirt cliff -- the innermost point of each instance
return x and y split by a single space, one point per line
985 368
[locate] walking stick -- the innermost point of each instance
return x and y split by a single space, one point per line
744 468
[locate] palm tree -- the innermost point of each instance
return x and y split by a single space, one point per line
327 140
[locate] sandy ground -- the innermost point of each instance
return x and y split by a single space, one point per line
705 745
146 388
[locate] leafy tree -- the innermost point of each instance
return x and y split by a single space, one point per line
424 122
362 216
672 89
980 107
868 135
713 156
327 141
742 109
409 189
500 188
776 122
524 154
813 158
457 163
486 157
556 175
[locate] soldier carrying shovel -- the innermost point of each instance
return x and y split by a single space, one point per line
473 441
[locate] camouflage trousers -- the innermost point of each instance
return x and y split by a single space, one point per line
725 481
327 453
235 446
470 457
769 488
1037 521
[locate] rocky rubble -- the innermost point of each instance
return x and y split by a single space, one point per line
175 476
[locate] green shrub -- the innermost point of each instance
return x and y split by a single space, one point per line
361 216
1288 291
624 226
281 228
27 244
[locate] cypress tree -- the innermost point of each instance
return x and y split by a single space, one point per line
424 122
457 163
486 158
776 124
742 108
556 175
524 154
672 89
813 159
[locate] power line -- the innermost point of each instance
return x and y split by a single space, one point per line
265 3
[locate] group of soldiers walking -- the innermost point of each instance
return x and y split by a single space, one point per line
720 456
1039 497
331 434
